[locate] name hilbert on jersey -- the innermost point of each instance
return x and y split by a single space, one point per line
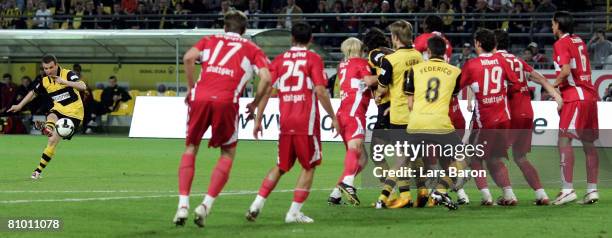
494 99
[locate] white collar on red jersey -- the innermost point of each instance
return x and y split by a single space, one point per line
502 51
485 55
232 34
297 48
564 35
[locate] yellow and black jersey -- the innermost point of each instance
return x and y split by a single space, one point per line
395 68
374 60
66 100
433 84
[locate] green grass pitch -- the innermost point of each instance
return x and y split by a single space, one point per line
121 187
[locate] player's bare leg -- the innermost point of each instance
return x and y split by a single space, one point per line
353 163
300 194
185 173
502 179
592 165
566 152
218 179
49 130
531 176
481 182
266 188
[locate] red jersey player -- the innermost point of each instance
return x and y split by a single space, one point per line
355 98
578 116
228 62
521 114
299 78
432 26
486 75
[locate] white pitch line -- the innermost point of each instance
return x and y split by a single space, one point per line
245 192
87 191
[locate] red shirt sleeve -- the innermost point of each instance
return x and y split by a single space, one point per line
259 60
317 74
420 43
526 67
274 70
364 69
465 75
201 44
563 53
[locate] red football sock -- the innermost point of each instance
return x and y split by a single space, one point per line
499 171
266 187
300 195
592 163
185 173
351 164
219 176
529 172
567 165
481 182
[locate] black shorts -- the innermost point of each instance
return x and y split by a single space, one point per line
397 127
382 121
76 122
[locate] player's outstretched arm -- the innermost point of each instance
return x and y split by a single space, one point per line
28 98
323 97
371 80
538 78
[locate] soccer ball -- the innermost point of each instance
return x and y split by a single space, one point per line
64 127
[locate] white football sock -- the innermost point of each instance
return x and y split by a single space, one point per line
566 185
208 202
567 190
183 201
295 207
541 194
461 193
336 193
508 193
486 194
591 187
258 203
349 180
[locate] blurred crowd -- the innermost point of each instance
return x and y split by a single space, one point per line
166 14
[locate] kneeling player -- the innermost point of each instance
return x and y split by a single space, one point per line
299 78
355 98
61 86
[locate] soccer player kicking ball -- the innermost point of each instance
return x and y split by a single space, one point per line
355 98
486 75
62 86
578 116
521 114
228 62
300 80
